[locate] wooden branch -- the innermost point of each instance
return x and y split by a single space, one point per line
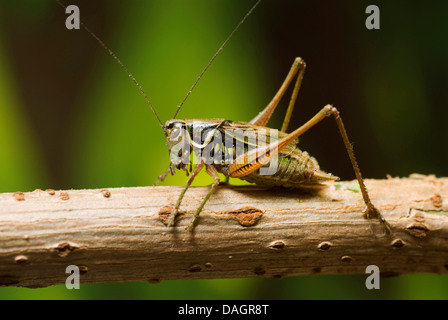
120 235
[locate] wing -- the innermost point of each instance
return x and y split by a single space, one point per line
253 136
249 134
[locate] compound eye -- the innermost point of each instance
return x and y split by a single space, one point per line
175 133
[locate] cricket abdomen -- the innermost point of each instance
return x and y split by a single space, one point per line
295 169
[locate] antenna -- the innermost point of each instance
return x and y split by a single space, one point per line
214 57
121 65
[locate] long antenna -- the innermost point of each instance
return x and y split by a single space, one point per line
214 57
121 65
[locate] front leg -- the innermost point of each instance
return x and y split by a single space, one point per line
214 174
196 170
163 176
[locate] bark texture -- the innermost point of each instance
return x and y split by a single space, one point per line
120 235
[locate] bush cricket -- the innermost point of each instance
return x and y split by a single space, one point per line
244 149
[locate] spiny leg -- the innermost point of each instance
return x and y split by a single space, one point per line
214 174
256 158
195 172
294 95
263 117
371 211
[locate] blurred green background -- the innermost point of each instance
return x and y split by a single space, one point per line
71 118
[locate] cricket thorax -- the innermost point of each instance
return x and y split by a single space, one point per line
214 141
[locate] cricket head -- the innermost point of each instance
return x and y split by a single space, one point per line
178 142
